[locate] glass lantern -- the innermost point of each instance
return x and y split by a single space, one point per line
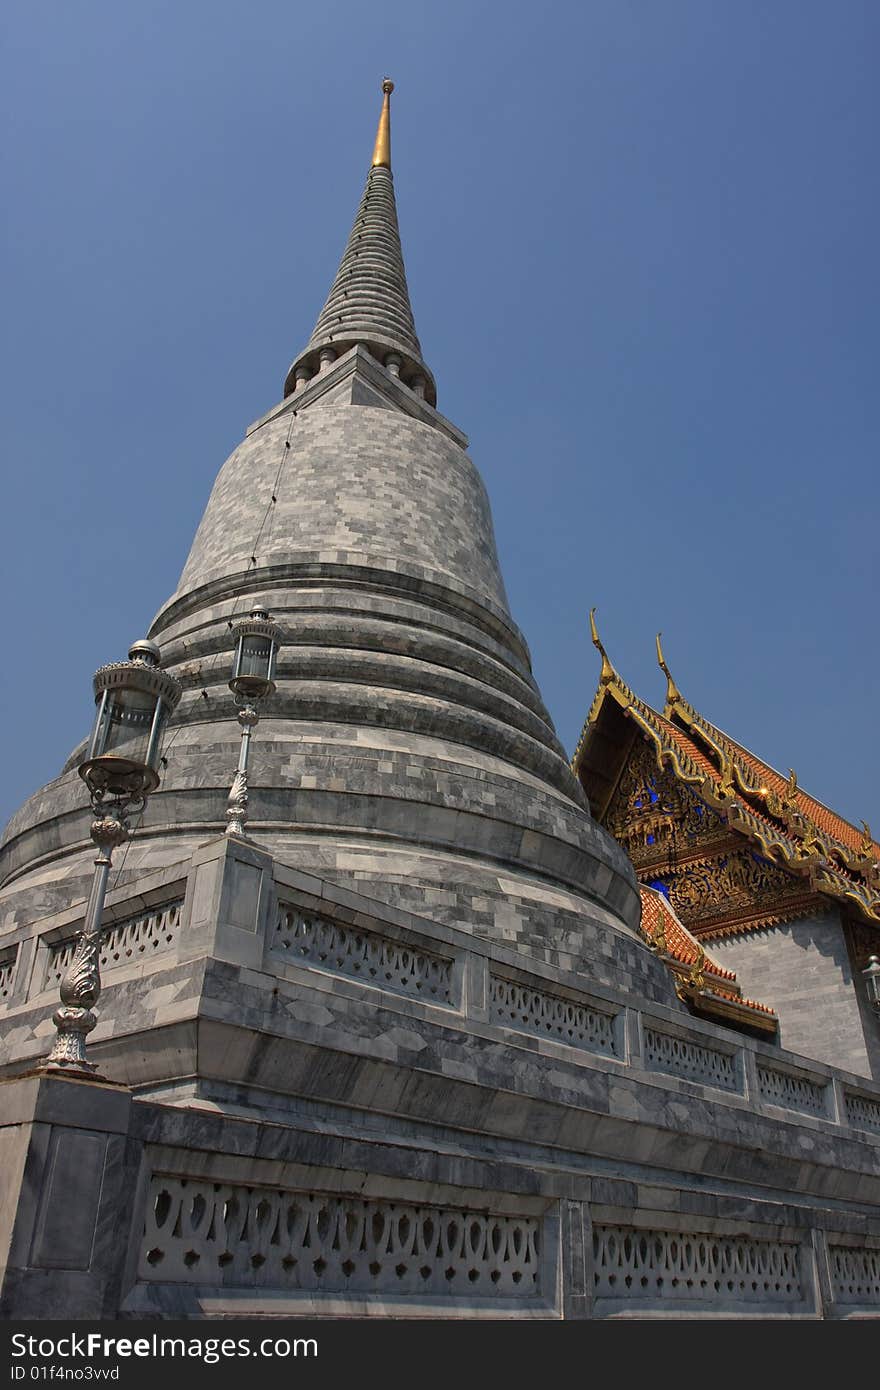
256 649
134 700
872 982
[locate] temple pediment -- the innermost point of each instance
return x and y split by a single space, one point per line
731 843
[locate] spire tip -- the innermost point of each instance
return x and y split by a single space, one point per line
382 148
607 673
673 693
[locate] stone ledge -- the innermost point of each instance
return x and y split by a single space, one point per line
359 361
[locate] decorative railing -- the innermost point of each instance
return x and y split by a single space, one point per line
791 1092
237 1236
583 1023
551 1016
855 1274
362 955
127 942
674 1266
518 999
691 1060
8 958
862 1112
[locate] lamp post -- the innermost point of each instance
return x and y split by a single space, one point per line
256 647
134 700
872 982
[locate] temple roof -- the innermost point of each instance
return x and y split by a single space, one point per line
369 300
784 823
701 982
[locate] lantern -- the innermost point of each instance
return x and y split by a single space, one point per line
134 700
256 649
872 982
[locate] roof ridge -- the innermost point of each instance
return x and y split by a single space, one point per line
700 980
739 748
739 764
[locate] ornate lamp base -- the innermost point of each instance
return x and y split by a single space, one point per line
81 986
69 1053
236 808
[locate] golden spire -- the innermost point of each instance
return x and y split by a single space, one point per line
607 673
673 693
382 150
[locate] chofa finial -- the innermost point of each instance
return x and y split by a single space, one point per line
607 673
382 147
672 691
790 795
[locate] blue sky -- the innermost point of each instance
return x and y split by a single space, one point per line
641 240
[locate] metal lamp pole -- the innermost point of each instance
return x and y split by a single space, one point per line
256 648
871 974
134 700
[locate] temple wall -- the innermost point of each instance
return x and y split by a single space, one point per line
802 970
186 1215
328 1106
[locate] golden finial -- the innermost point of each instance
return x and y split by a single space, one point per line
789 798
607 669
866 848
672 691
696 974
382 149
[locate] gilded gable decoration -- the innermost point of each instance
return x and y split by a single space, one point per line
730 841
655 816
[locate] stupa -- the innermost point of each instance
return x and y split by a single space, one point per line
399 1043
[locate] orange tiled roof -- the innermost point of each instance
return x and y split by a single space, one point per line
660 923
825 819
686 744
657 912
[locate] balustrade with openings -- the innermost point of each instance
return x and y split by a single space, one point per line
855 1274
243 1237
862 1111
791 1092
7 972
128 942
550 1015
693 1061
673 1266
362 955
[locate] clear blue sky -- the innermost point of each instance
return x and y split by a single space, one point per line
642 247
